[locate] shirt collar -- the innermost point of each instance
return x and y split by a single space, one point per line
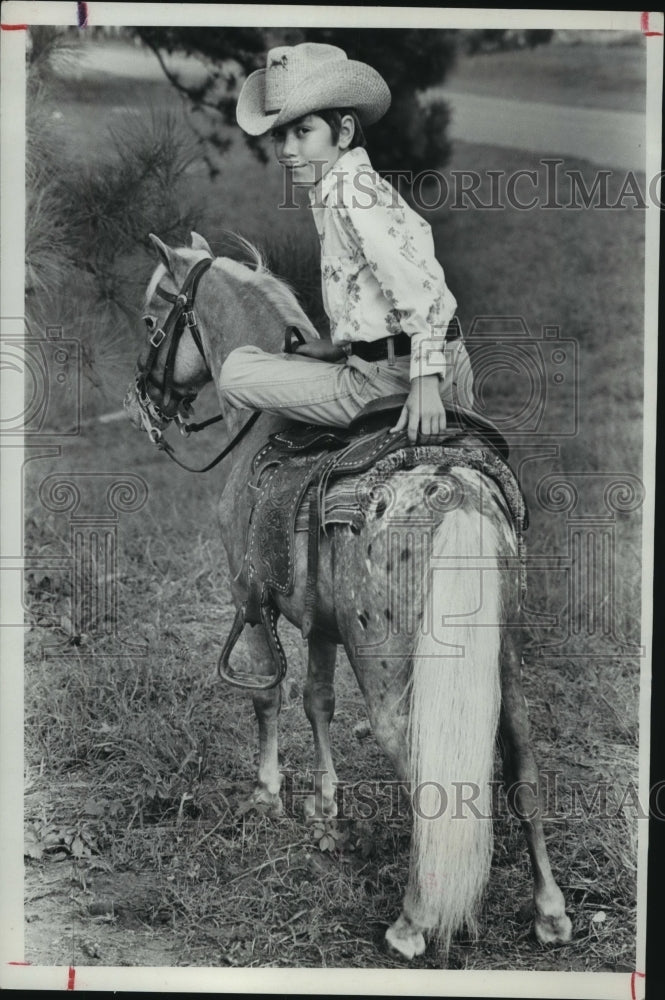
350 163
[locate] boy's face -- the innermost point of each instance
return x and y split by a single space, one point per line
306 148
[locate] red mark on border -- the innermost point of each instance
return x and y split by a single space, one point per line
14 27
633 977
18 963
644 25
72 976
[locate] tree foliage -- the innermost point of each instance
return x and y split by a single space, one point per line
498 39
413 134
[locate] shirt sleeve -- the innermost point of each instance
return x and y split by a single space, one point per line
398 248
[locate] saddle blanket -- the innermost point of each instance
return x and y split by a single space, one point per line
347 499
311 491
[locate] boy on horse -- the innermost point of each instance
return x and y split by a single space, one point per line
384 291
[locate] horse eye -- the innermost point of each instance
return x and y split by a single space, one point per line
150 322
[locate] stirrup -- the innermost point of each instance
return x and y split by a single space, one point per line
240 678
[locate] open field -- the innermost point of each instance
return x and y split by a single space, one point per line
137 758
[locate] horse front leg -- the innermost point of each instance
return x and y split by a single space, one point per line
267 705
551 923
319 703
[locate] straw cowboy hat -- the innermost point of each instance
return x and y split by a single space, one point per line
300 79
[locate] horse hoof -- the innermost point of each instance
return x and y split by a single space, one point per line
263 802
362 730
553 929
317 809
402 937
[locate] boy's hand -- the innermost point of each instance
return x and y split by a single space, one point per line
423 409
322 350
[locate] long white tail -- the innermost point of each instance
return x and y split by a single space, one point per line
455 702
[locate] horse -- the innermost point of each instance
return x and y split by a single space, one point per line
437 694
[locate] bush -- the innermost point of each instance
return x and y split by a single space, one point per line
88 221
111 207
502 39
48 47
87 250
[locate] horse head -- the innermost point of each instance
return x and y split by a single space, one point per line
245 303
172 367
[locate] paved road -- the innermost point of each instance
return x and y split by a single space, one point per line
613 139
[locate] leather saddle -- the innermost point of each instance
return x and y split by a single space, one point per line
303 460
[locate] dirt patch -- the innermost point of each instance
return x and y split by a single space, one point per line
105 923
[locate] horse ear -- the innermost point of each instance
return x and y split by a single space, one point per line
200 243
166 254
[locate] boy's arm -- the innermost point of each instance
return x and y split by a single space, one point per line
423 409
322 350
415 287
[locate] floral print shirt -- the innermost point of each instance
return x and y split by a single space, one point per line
378 269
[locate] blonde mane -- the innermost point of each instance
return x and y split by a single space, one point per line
158 275
254 272
274 289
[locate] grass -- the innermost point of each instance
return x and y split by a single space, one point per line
138 759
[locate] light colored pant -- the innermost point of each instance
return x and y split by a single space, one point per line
332 393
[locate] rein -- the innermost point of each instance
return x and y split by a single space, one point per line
168 449
181 316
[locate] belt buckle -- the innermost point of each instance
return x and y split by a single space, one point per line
453 331
390 348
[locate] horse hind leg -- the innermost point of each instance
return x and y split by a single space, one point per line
379 647
319 704
383 680
550 921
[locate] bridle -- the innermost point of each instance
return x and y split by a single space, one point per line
152 416
181 317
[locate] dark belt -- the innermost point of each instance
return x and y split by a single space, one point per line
377 350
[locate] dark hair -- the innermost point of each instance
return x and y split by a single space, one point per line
333 117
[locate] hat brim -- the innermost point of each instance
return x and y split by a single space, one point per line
338 84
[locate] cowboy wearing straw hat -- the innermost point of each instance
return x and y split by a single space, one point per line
384 292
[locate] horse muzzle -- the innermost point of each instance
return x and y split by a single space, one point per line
132 407
142 411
